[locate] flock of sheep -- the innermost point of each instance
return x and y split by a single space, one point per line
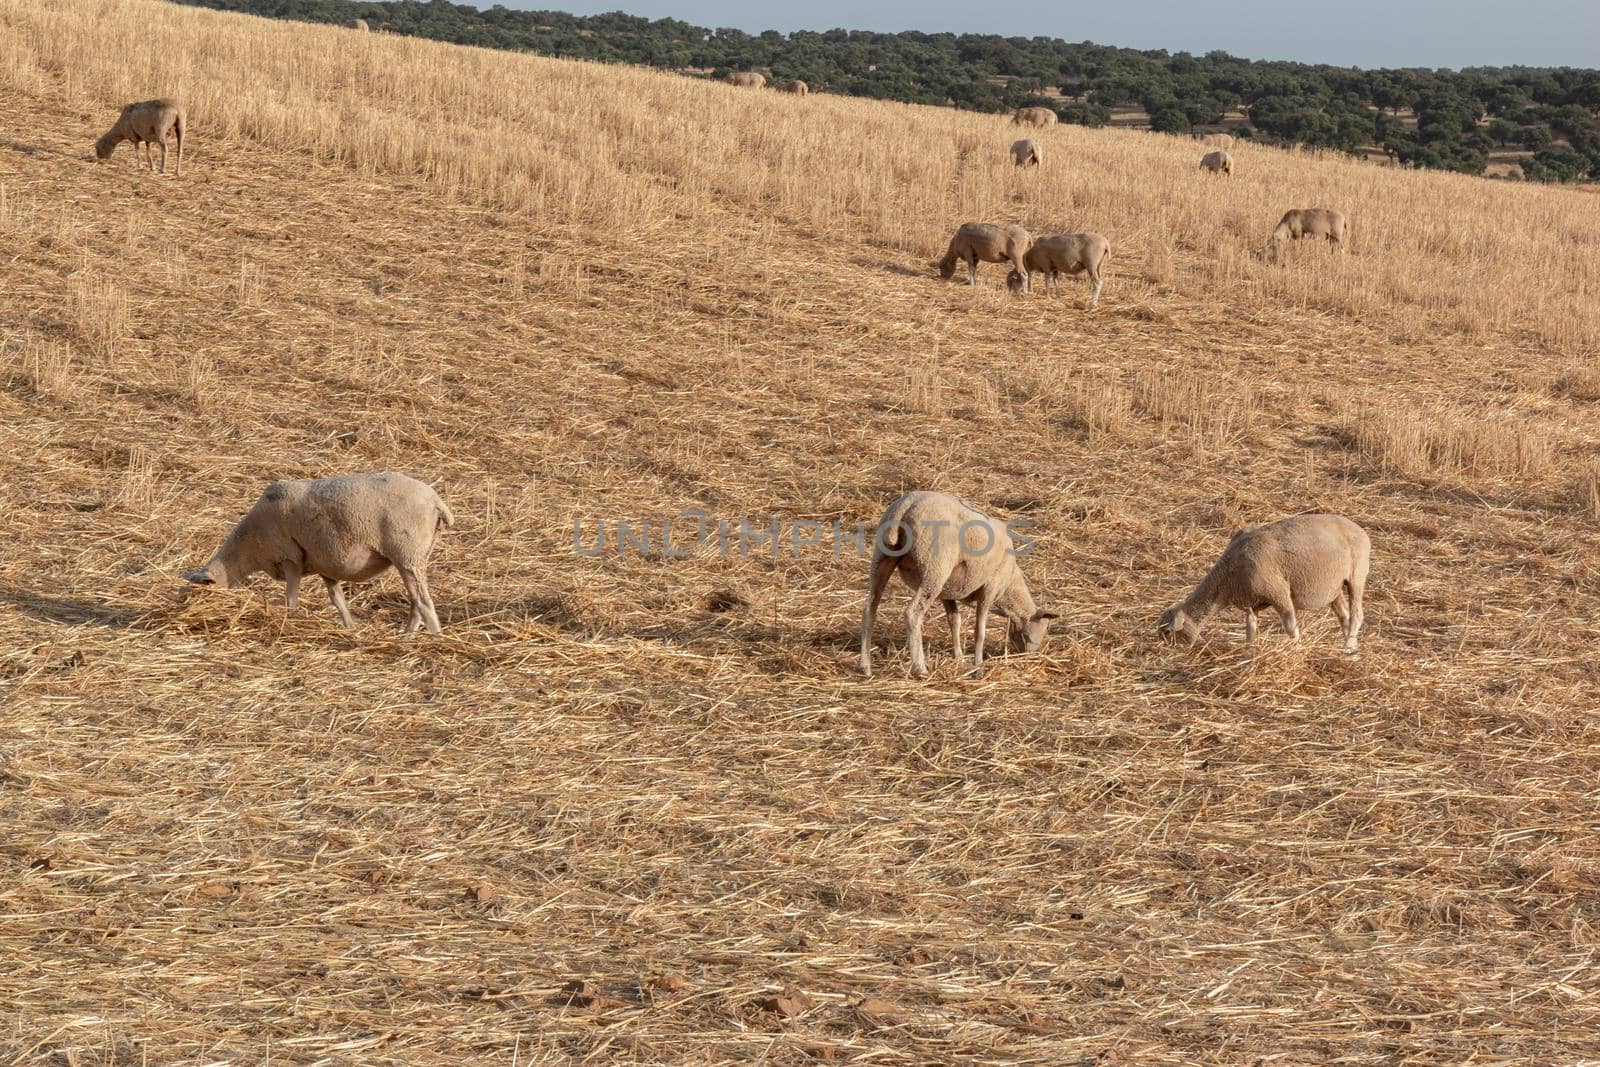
351 528
1086 253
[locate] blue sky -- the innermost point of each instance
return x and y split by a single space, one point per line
1365 33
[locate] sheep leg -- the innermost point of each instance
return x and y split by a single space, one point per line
291 587
986 597
1291 625
972 271
1249 626
163 156
336 594
916 611
952 617
1357 586
1094 292
416 583
1340 613
877 581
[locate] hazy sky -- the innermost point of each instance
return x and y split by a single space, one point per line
1365 33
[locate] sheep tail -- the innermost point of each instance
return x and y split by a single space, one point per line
446 519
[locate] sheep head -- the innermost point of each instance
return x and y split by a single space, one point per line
947 266
213 573
1029 637
1015 281
1176 621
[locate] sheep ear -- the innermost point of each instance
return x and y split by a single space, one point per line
199 578
1046 615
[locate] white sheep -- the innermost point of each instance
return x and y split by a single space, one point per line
947 550
986 241
1034 116
345 529
1067 253
1215 140
797 87
147 122
1025 153
357 24
1217 162
1302 563
1313 222
747 79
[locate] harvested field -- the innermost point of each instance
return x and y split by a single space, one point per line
643 808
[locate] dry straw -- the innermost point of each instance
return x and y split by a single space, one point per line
642 809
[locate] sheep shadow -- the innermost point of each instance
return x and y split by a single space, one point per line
64 611
897 268
40 150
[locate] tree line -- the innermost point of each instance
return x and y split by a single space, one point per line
1442 119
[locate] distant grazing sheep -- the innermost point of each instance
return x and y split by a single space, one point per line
1068 253
985 241
1025 153
357 24
1034 116
797 87
1218 162
1313 222
1217 140
747 79
345 529
147 122
1303 563
946 550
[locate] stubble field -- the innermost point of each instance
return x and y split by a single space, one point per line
564 292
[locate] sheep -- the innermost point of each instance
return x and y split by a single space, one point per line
797 87
357 24
346 529
1217 162
1034 116
748 79
986 241
1068 253
1215 140
148 122
947 550
1312 222
1301 563
1025 153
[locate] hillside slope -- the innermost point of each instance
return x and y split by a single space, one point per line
562 292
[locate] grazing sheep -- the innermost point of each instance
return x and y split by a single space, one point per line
1218 162
747 79
986 241
1217 140
1312 222
357 24
1068 253
948 551
1025 153
147 123
797 87
1302 563
345 529
1034 116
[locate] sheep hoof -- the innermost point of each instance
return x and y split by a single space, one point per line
919 672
